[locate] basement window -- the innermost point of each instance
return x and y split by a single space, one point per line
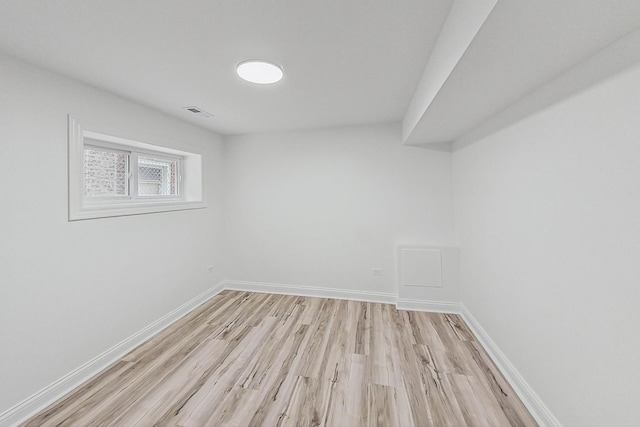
116 173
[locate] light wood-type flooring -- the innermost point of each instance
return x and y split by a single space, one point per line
251 359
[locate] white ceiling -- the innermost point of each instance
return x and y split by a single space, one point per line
345 61
522 46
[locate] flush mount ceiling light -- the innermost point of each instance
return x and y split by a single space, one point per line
259 71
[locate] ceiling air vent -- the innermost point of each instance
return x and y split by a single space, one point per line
198 111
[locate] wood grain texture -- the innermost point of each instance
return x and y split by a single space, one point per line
252 359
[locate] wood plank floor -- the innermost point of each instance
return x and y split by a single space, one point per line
251 359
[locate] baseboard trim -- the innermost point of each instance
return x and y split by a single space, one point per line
534 404
431 306
40 400
310 291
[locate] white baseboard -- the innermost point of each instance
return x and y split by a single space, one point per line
534 404
40 400
310 291
368 296
432 306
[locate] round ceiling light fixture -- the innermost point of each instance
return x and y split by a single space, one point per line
259 71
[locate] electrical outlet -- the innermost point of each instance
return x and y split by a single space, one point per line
377 272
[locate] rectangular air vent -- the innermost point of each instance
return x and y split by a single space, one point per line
198 111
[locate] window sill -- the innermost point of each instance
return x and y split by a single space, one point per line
132 208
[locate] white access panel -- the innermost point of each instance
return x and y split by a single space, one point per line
420 267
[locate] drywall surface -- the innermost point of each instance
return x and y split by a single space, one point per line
325 207
464 20
548 220
71 290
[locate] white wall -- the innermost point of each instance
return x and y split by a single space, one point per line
70 290
324 207
548 219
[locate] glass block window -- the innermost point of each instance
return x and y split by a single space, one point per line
105 172
157 176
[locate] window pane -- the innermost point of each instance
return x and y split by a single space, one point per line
105 173
157 177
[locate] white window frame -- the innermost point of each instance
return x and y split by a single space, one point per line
133 154
135 178
190 172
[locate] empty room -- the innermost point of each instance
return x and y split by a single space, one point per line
319 213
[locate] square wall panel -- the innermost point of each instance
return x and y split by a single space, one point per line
421 267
